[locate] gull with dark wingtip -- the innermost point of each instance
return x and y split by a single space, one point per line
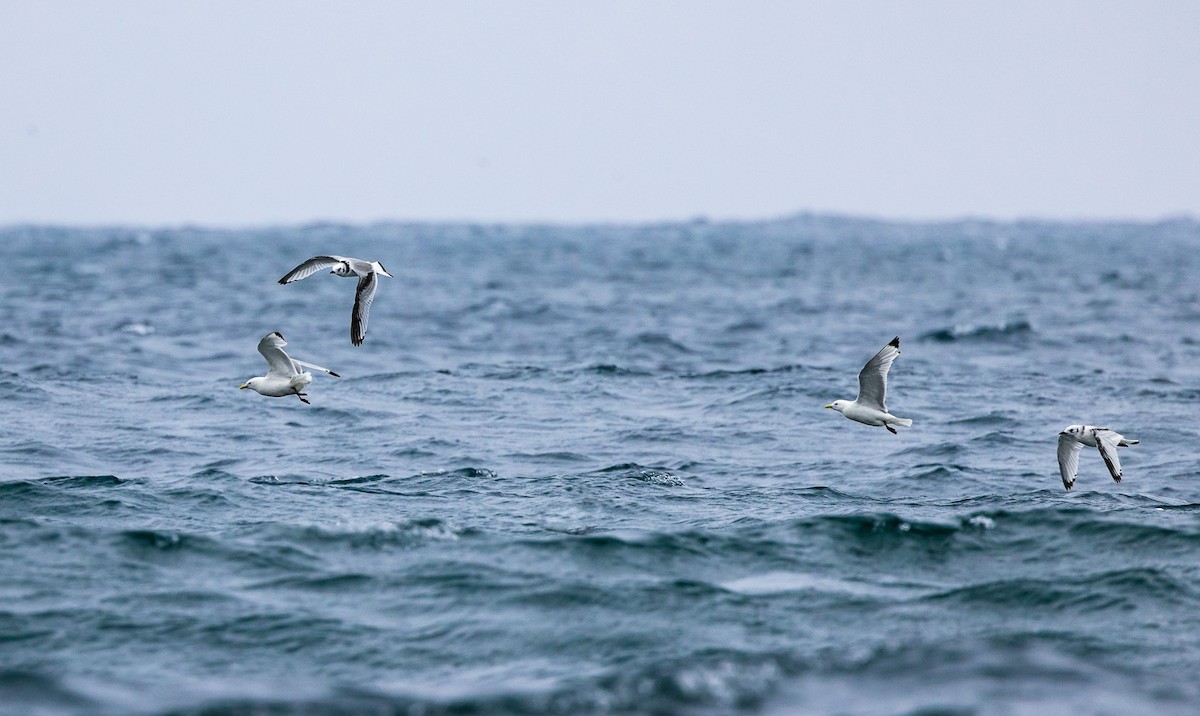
285 375
869 407
1072 439
367 273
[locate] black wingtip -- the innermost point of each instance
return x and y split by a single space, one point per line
895 342
282 282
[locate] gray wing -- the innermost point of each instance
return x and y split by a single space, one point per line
315 367
359 266
278 362
1106 442
872 379
1068 458
308 268
362 306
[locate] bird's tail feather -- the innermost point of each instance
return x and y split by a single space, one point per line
904 422
1126 442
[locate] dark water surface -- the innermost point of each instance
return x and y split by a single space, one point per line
587 470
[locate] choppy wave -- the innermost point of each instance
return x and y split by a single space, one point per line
999 331
587 470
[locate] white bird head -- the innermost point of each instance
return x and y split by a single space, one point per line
252 384
1074 429
839 405
380 269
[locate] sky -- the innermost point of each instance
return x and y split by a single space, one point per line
253 113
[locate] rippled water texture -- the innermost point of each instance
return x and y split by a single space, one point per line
587 470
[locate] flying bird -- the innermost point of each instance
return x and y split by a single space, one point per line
368 280
869 408
1074 437
284 374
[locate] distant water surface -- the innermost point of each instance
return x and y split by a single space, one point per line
587 470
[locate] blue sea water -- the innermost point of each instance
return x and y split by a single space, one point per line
581 470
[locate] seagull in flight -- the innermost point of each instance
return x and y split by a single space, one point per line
285 375
368 280
869 408
1074 437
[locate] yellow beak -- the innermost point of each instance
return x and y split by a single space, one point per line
244 386
828 406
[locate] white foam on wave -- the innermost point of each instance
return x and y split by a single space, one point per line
780 582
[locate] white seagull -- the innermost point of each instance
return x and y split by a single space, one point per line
284 375
1074 437
869 407
367 273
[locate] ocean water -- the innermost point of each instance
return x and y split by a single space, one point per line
581 470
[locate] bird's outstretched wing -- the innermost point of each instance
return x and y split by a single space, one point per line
308 268
1068 458
362 306
1106 442
278 362
872 379
315 367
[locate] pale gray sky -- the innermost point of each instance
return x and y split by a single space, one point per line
234 113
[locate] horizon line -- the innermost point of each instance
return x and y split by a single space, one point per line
696 220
